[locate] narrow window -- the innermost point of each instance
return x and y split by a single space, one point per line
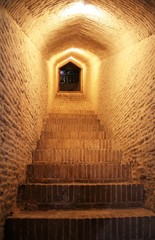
69 77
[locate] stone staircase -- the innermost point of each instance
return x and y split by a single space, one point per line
77 186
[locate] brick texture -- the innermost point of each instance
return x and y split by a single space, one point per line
82 225
94 172
94 183
120 86
23 87
80 196
126 108
111 32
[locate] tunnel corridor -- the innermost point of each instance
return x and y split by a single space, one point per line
113 44
77 186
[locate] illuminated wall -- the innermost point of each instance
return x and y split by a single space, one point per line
126 107
112 41
23 97
87 61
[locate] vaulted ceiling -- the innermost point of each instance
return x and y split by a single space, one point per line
102 27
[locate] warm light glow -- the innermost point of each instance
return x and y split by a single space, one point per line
81 8
78 63
78 53
75 60
76 50
80 57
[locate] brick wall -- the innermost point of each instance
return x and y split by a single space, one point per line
126 105
23 88
91 80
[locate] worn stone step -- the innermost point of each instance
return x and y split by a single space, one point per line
72 116
97 172
80 195
74 144
108 224
71 107
76 156
76 103
71 99
65 134
71 102
71 110
72 127
73 120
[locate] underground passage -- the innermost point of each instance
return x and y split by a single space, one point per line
77 134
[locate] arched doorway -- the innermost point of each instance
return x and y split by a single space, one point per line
69 77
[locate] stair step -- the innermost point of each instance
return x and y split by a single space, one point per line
72 103
75 168
73 119
75 103
97 172
71 110
50 133
80 195
76 156
72 116
74 144
109 224
72 127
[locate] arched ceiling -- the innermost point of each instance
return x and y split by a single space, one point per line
55 26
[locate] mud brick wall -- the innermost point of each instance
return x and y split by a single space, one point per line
123 93
23 87
126 105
